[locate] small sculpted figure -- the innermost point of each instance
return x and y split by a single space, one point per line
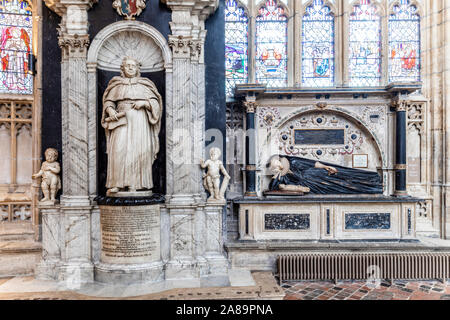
211 179
51 183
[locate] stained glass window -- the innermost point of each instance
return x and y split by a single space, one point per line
318 46
15 47
365 45
271 45
236 45
404 43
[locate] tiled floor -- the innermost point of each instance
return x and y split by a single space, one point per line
399 290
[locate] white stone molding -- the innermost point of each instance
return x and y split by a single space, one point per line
60 6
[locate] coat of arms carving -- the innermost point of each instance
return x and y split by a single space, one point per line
129 8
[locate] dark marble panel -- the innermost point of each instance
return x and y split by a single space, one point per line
319 136
155 14
368 221
286 221
215 81
51 133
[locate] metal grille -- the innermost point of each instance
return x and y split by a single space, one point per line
390 266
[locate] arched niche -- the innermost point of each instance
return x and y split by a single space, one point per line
147 45
355 138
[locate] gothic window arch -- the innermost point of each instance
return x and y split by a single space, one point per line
318 45
271 44
236 45
404 43
16 25
365 45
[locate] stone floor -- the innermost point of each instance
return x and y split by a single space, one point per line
243 286
358 290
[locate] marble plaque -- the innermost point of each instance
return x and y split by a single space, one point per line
368 221
130 235
319 136
413 170
286 222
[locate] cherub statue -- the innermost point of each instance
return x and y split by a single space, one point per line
51 183
211 179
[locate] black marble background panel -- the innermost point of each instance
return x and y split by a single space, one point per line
51 85
367 221
286 221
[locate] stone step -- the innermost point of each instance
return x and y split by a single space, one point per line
19 258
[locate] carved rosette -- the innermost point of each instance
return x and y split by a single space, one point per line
73 45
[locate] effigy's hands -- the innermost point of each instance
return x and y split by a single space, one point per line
331 170
140 104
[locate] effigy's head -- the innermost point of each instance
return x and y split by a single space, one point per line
51 154
130 68
215 153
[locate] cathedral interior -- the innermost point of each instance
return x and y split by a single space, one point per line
154 142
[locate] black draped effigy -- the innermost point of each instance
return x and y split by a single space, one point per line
346 181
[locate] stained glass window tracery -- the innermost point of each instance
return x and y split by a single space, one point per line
271 45
404 43
236 45
365 45
318 46
16 46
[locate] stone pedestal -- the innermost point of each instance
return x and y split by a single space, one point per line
214 254
131 245
51 240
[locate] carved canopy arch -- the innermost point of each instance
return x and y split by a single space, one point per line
130 38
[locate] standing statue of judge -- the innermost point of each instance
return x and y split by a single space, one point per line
131 117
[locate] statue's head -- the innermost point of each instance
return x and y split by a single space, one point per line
51 155
215 153
130 68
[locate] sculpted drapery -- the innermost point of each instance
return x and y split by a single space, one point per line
131 117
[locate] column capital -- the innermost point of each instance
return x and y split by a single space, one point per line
250 105
401 104
73 45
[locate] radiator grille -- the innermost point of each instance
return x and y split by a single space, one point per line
390 266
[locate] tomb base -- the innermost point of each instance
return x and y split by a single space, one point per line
131 245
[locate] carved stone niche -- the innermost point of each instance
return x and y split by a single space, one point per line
145 44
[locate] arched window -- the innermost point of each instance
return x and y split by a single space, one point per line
271 45
365 45
318 46
236 45
16 46
404 43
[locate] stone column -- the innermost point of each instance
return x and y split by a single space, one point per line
400 148
446 90
76 266
250 147
185 138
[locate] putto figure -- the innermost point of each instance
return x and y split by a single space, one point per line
211 179
51 183
132 108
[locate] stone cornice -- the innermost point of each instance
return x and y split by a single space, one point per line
60 6
201 8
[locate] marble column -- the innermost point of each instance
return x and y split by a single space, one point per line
250 147
185 139
400 148
76 266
